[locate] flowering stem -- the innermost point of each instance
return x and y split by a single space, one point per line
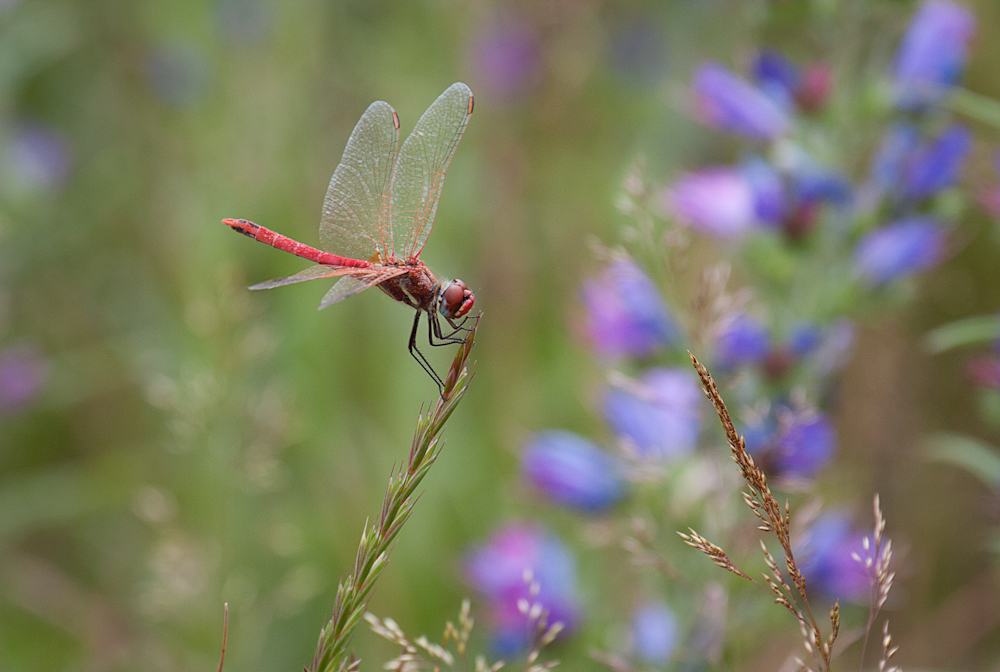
332 651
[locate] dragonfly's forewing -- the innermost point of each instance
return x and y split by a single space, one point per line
422 166
350 285
356 211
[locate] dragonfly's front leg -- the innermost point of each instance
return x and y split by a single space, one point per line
434 331
419 356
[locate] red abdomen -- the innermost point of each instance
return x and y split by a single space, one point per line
265 235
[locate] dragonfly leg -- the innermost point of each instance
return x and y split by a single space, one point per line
419 356
434 331
459 325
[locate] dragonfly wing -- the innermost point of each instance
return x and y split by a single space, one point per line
311 273
344 288
356 283
422 166
356 218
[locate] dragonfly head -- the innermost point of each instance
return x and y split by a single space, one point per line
455 299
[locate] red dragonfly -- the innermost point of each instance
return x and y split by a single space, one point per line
378 212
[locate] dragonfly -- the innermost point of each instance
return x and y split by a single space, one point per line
378 212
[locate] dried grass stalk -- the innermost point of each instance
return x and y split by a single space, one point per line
773 518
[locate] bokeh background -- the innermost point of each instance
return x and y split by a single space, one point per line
170 441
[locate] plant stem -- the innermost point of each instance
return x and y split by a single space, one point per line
333 650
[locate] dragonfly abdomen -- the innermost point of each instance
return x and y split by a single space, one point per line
265 235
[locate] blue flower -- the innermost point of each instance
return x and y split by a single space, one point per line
506 55
805 445
776 76
743 341
729 103
37 159
769 197
782 80
660 416
625 314
804 338
573 471
716 201
889 165
933 53
758 434
899 249
23 373
815 184
498 569
654 633
936 166
797 445
824 556
728 202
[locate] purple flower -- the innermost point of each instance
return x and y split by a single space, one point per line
933 53
37 159
743 341
625 314
890 161
716 201
728 202
776 76
797 445
782 80
726 102
758 434
805 445
936 165
505 55
815 184
659 416
899 249
824 556
769 196
498 569
654 633
23 372
178 73
804 338
573 471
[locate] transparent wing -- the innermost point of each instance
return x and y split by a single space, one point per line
311 273
350 285
356 218
422 166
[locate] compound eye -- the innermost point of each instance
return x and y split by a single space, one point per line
454 293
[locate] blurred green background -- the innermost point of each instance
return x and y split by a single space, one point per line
193 443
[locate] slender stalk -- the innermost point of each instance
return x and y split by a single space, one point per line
773 518
333 649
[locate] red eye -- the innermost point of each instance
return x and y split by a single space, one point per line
454 294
